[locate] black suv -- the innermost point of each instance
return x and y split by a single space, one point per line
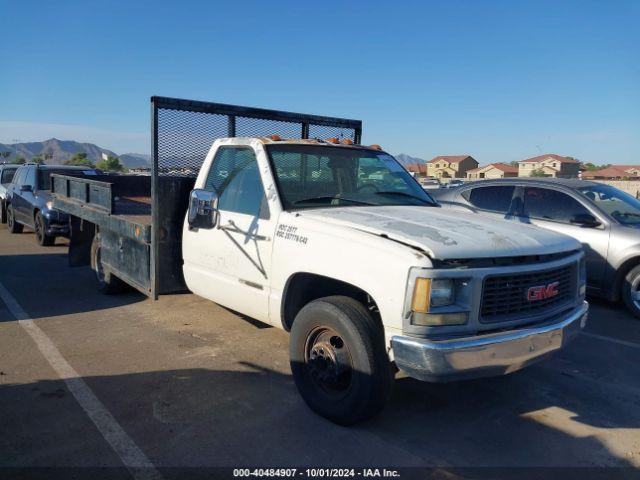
29 201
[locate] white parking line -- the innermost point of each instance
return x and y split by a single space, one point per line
612 340
130 454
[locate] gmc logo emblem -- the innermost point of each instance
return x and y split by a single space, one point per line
540 292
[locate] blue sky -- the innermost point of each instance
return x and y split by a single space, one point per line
500 80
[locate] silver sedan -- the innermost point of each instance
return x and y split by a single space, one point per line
605 219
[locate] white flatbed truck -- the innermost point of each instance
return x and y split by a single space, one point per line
332 241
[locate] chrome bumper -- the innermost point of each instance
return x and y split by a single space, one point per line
485 355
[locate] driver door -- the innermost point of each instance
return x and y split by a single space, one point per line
230 263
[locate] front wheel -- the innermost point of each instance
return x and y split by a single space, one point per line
338 360
3 212
107 282
41 236
631 291
14 227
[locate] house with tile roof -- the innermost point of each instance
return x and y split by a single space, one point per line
451 166
493 170
418 169
614 172
549 165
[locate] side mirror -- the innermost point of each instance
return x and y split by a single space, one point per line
203 209
585 219
26 188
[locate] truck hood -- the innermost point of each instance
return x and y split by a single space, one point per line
444 234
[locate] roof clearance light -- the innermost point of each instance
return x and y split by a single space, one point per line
347 141
275 138
375 146
333 140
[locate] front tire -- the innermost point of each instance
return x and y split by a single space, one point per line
107 282
12 225
3 212
338 360
43 239
631 291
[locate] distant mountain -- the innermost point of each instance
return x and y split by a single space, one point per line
135 160
407 160
59 150
56 152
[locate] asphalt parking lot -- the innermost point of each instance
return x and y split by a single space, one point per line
192 384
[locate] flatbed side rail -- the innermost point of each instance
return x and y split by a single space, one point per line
182 132
97 194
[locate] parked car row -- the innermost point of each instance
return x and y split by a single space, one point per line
603 218
431 183
27 202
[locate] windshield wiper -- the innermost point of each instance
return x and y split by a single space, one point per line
404 194
330 197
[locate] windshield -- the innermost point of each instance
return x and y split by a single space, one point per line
310 176
620 205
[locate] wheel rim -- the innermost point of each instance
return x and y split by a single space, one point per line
328 361
10 217
39 233
635 291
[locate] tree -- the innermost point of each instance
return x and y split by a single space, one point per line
111 164
4 155
37 159
19 160
539 173
593 167
514 163
79 159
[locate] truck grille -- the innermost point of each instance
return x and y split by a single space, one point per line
507 297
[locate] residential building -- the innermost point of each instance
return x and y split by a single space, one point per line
549 165
493 170
451 166
417 169
614 172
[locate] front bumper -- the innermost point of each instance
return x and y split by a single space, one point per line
486 355
56 223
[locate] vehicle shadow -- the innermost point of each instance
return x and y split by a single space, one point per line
252 416
45 286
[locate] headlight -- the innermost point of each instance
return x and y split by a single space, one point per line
428 293
50 204
440 301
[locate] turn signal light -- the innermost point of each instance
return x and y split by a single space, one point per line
275 138
347 141
375 146
421 295
333 140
